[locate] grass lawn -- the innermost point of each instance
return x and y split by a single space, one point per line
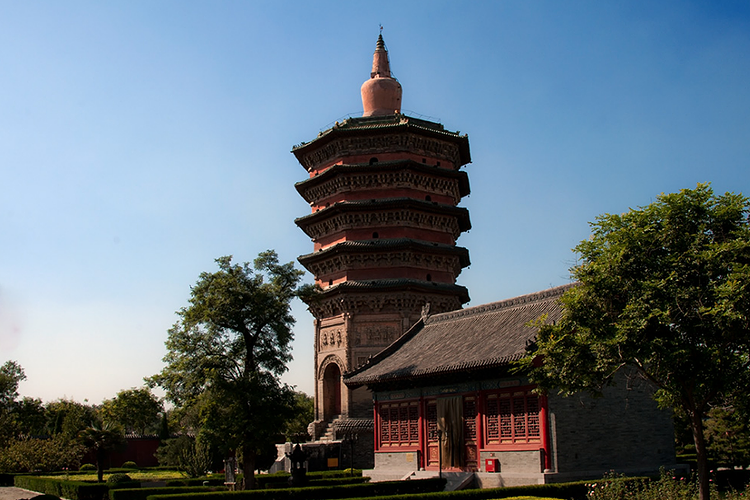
135 474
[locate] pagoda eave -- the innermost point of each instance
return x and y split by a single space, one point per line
411 205
305 187
387 295
384 246
378 126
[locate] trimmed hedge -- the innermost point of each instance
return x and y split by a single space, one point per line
326 481
365 490
143 493
577 490
196 481
72 490
280 479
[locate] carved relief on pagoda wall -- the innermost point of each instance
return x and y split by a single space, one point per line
337 264
350 146
371 180
375 334
398 302
331 338
385 218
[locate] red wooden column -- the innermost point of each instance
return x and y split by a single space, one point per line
544 421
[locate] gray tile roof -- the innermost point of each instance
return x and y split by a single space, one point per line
475 338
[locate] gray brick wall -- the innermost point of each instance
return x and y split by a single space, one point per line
622 431
404 461
514 461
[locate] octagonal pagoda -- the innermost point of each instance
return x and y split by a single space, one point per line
384 191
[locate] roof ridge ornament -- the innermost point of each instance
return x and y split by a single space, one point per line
425 311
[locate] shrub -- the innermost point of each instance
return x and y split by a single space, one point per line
212 481
87 468
72 490
129 465
144 493
31 454
118 478
328 481
365 490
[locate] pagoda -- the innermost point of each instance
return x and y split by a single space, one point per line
383 191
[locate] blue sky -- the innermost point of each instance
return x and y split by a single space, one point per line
141 140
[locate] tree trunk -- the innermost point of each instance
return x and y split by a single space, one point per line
248 466
696 423
100 465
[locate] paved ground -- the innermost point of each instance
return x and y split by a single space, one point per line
12 493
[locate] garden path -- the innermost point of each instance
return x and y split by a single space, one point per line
13 493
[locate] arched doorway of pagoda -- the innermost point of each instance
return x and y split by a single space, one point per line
331 391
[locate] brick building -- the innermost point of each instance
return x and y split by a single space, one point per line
450 380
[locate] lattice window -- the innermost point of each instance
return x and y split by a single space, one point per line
393 421
470 419
506 428
403 424
432 427
399 424
492 427
532 417
512 418
519 415
385 429
413 423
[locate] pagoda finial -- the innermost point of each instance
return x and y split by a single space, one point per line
381 94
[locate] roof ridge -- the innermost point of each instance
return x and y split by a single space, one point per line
502 304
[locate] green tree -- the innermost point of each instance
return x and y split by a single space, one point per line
664 289
102 439
186 454
11 374
227 350
30 416
135 410
728 437
304 413
68 417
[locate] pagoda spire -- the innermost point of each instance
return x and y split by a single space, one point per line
381 94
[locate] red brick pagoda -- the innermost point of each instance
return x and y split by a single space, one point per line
383 190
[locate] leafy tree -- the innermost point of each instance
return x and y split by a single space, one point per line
227 350
11 374
135 410
102 439
728 437
187 454
164 427
30 416
68 417
304 413
664 289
